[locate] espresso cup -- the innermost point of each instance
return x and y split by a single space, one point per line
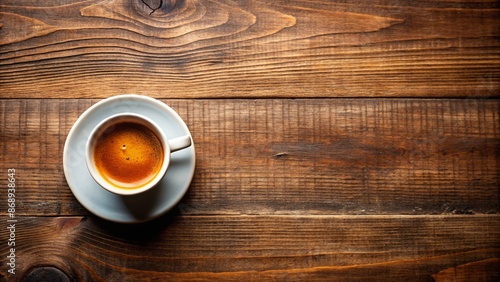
128 153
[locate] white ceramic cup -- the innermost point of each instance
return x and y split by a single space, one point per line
169 146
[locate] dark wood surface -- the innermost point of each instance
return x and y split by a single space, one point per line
202 48
335 140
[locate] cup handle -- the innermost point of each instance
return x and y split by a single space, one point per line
179 143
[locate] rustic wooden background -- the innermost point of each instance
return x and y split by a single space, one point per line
336 140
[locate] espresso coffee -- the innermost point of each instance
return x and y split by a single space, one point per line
128 155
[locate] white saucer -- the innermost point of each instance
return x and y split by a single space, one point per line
128 209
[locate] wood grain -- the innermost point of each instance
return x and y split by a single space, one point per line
257 248
207 49
485 270
376 171
311 156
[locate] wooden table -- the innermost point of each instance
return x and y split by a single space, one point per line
335 140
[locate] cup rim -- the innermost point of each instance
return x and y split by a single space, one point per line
102 125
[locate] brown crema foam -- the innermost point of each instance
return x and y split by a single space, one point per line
128 155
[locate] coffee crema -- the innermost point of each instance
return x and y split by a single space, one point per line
128 155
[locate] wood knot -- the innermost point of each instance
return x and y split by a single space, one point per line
46 273
156 7
68 223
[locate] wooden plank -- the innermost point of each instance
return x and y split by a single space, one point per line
193 49
485 270
256 248
320 156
